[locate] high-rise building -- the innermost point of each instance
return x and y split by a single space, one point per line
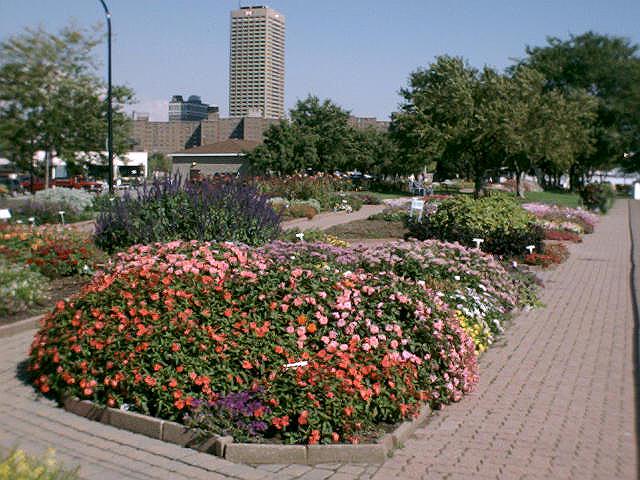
256 69
192 109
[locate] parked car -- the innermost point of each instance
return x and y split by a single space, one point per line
77 182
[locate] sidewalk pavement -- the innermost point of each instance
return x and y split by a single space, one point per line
326 220
555 400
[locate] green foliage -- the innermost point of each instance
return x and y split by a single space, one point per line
319 138
598 196
303 208
505 227
51 97
321 188
607 68
20 289
17 465
472 122
391 214
55 251
170 210
158 162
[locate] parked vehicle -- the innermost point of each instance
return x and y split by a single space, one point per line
78 182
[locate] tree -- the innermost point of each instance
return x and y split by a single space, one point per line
159 162
607 68
51 98
318 137
447 118
537 125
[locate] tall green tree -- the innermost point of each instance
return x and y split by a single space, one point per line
608 69
537 126
446 117
318 137
52 99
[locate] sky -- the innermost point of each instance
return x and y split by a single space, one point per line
357 53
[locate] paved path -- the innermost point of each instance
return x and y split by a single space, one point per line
555 400
326 220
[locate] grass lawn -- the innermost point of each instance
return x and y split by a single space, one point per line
383 196
361 229
571 200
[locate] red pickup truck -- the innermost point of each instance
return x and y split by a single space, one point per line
77 182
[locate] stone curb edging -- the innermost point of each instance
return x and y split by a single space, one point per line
248 453
18 327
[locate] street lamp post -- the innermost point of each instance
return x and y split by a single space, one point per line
109 106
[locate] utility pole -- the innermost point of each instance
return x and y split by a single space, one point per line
109 102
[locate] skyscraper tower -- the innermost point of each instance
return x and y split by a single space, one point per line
256 67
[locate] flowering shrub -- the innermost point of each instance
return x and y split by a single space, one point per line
553 255
505 227
20 466
304 187
598 196
563 217
311 235
20 288
479 287
330 352
45 206
562 235
76 200
168 210
54 250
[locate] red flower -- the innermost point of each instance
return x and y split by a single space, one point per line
246 364
303 417
314 437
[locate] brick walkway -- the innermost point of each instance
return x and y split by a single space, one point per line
556 398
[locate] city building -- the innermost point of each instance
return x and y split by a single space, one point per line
173 136
192 109
364 123
256 66
177 135
226 157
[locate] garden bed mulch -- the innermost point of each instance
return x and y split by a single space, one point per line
58 289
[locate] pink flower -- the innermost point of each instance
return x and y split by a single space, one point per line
284 307
290 329
344 347
374 329
394 344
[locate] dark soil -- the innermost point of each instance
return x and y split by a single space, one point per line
59 289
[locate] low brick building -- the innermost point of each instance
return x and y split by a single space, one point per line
226 157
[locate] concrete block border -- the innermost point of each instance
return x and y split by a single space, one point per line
249 453
20 326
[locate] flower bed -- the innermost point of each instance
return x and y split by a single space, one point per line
562 218
554 254
53 250
326 347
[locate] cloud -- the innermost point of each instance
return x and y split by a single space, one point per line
158 110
